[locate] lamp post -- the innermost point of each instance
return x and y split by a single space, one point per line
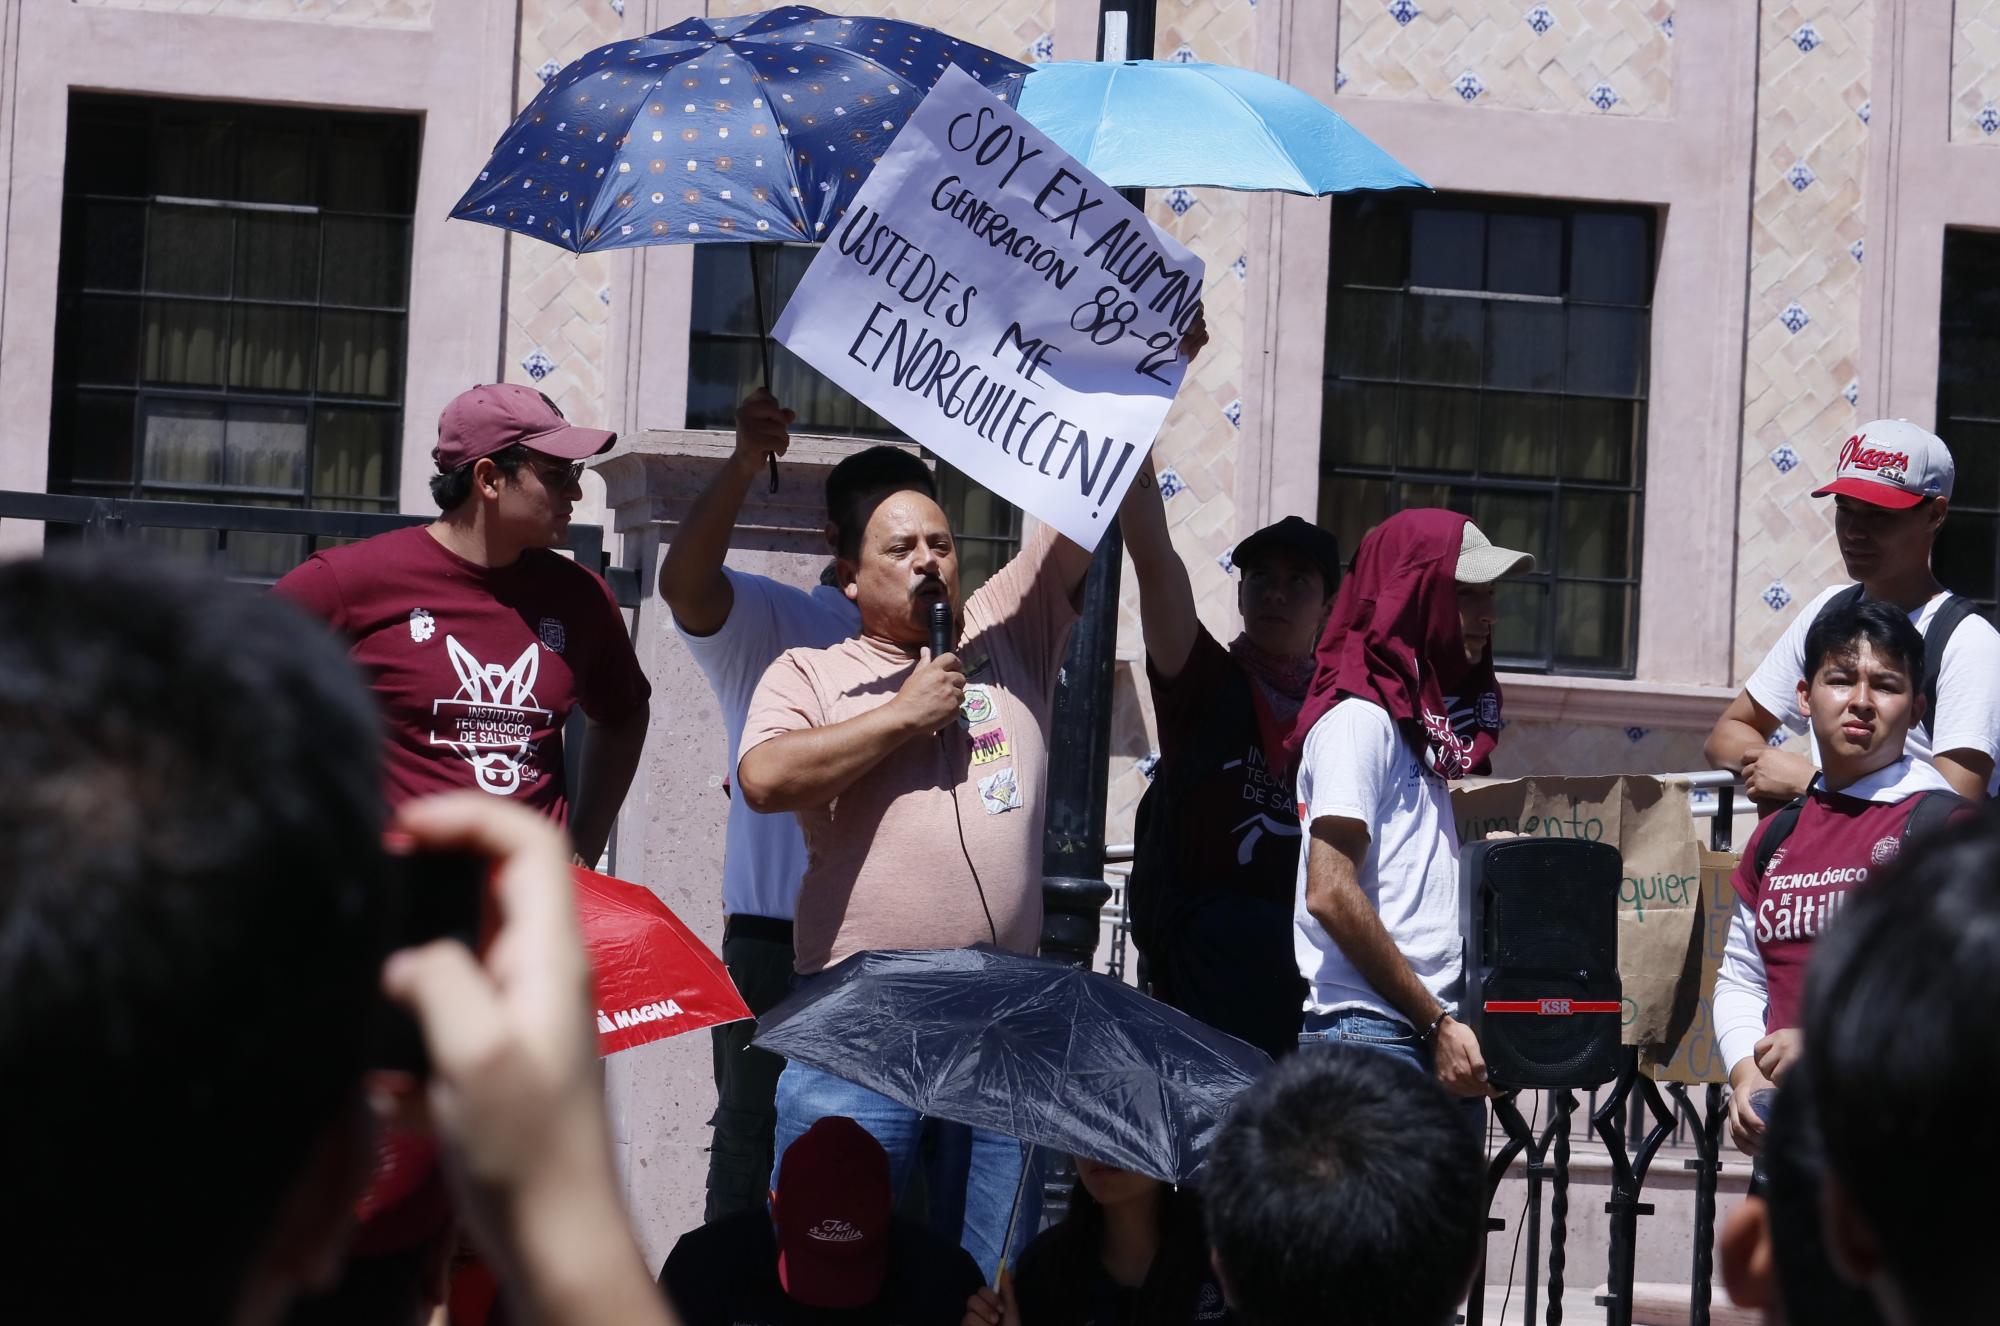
1073 887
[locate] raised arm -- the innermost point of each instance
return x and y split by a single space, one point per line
691 579
1143 522
1166 596
809 767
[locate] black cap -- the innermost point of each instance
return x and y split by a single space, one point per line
1294 535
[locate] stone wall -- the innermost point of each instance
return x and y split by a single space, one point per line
1611 57
1805 311
1975 72
369 13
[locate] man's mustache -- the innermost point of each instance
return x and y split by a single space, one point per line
927 583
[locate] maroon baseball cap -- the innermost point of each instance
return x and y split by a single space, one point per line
832 1212
498 415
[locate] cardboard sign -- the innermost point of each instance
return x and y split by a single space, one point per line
1659 902
1697 1057
1002 306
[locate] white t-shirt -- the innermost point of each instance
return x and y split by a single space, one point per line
764 856
1356 765
1968 716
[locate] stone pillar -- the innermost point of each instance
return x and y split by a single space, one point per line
669 836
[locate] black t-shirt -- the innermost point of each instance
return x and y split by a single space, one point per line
1103 1301
726 1274
1237 818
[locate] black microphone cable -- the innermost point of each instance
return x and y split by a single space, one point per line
940 632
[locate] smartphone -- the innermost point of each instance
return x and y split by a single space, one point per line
432 895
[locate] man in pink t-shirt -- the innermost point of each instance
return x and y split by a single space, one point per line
477 637
918 783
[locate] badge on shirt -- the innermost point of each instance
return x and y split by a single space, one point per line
977 707
551 631
422 625
1000 792
990 746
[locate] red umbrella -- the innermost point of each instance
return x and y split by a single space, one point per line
653 977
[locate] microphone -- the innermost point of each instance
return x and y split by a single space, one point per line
940 628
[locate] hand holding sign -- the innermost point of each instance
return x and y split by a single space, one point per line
994 300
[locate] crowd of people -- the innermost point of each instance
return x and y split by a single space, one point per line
205 955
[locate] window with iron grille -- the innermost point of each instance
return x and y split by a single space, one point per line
1967 556
725 363
234 288
1490 355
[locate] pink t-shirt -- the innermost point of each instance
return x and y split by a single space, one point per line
475 668
883 864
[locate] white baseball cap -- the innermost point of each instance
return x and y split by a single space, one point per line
1481 561
1892 463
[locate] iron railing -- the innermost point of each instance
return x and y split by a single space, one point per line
118 518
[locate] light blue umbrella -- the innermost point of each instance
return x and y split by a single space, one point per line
1158 124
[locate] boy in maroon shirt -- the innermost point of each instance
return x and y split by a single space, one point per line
1861 697
477 638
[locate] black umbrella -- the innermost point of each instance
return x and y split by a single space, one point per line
1024 1047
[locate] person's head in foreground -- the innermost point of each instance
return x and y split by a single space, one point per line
510 464
1773 1254
1345 1190
190 934
832 1212
1900 1044
894 552
1864 664
1891 491
1287 574
1412 631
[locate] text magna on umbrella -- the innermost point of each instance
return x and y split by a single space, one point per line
1003 306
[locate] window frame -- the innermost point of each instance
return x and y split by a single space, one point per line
73 381
1957 312
1465 487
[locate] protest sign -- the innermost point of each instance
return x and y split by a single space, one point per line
1004 307
1697 1057
1649 822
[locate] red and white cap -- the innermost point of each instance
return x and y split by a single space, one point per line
499 415
1891 463
832 1213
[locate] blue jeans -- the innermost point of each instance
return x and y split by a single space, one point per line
1391 1036
973 1173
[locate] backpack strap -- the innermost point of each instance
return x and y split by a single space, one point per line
1779 828
1949 614
1934 810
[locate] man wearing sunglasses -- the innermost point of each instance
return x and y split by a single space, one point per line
478 637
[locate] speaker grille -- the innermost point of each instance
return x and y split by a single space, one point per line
1542 923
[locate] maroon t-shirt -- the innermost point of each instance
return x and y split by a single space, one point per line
1836 842
1239 821
476 668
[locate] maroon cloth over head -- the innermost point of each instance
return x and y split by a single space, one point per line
1394 639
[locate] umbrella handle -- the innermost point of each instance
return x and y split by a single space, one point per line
763 336
1014 1212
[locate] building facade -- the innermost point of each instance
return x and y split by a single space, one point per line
1677 249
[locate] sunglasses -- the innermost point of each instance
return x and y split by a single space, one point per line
561 476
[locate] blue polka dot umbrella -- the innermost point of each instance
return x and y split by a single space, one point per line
755 128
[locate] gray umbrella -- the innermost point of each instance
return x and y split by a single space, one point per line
1024 1047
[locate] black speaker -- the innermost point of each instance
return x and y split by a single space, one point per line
1540 917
